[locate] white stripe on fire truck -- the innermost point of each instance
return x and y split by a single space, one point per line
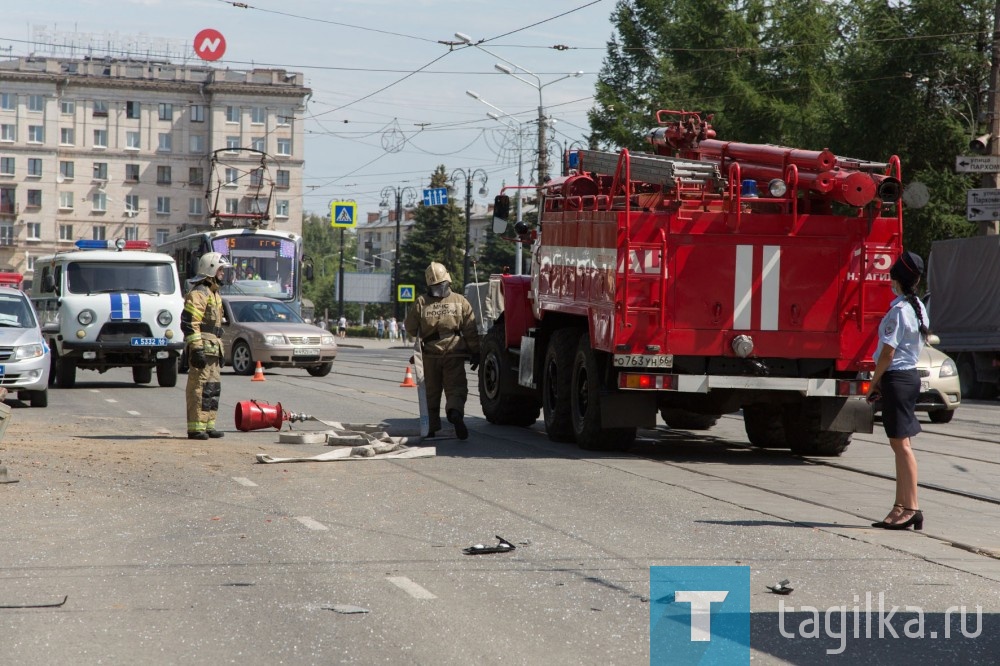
770 288
743 289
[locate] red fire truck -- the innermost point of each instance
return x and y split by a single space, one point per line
700 279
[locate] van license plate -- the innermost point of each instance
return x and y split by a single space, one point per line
149 342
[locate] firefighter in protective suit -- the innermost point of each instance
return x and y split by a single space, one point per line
446 326
201 323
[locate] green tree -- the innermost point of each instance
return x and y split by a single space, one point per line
321 246
438 234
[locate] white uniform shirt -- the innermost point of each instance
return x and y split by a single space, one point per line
900 329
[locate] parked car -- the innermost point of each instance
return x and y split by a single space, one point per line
25 359
940 393
257 328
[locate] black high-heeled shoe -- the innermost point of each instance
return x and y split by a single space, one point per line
917 520
882 523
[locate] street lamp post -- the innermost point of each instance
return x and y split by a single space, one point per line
469 177
398 193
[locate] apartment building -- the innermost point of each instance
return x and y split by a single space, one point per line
104 148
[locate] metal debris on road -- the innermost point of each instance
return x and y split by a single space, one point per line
479 549
347 609
55 604
781 588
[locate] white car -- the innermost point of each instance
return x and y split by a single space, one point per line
24 356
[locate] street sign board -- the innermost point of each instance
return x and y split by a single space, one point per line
436 196
977 164
406 293
982 205
343 214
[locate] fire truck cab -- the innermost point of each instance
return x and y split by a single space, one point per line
110 304
702 279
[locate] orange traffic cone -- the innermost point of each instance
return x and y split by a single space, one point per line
408 379
258 374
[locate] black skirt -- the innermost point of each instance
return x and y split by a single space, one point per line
900 390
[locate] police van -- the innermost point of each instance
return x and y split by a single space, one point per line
110 304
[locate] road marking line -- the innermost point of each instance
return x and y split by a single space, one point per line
110 400
411 588
94 390
243 481
134 413
311 524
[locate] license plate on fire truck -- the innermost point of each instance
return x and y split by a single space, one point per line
149 342
644 360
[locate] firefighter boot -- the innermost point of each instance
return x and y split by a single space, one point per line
455 418
201 434
215 434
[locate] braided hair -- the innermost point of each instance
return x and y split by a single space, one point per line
911 298
907 271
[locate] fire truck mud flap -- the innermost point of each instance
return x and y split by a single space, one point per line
846 415
631 410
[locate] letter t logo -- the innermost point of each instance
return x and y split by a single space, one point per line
701 610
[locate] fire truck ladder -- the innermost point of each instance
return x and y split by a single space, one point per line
636 277
668 172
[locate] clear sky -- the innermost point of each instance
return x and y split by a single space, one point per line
354 54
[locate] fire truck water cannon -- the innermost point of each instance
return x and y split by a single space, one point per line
818 172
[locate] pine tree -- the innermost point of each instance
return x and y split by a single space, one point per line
438 234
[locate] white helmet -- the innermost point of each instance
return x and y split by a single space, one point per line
210 263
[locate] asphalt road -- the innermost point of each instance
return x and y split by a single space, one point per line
170 551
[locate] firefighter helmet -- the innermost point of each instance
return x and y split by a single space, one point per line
210 263
436 273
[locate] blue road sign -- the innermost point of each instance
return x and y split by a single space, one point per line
436 196
343 214
406 293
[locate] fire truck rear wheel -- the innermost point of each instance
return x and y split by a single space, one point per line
142 374
585 404
557 376
765 426
682 419
166 372
804 436
497 381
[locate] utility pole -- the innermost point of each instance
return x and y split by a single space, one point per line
989 180
398 192
340 279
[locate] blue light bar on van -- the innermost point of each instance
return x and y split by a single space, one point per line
119 244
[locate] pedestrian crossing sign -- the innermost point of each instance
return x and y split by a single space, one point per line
343 214
406 293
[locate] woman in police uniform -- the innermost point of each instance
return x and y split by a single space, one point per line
902 333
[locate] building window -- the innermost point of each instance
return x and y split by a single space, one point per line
132 110
36 134
67 107
67 136
33 230
256 177
257 205
99 232
30 265
232 205
34 167
100 201
34 198
163 175
196 176
257 143
283 179
162 235
100 138
284 146
197 143
166 142
66 201
100 170
67 170
131 173
36 103
8 132
232 114
65 232
284 116
163 205
6 234
232 143
131 233
232 175
197 113
8 101
133 140
8 202
6 166
281 208
100 108
166 111
258 115
132 204
194 206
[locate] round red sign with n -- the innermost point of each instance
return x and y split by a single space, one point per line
209 44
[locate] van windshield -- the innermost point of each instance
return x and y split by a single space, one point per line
97 277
